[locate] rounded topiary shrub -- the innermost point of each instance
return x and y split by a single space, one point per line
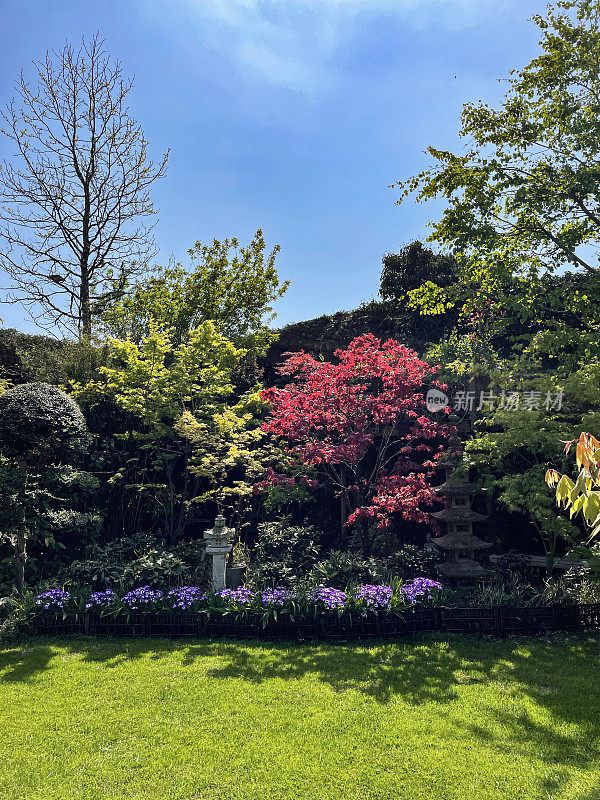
39 421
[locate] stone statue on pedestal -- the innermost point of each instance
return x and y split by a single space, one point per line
218 545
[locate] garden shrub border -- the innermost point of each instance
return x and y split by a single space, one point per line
492 621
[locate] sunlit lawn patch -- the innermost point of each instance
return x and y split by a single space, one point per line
440 719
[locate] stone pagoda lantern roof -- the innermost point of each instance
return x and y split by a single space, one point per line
457 488
458 514
459 542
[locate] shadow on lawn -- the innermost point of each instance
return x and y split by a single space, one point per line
419 672
559 677
556 672
559 725
21 664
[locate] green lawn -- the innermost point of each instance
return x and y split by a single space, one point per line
436 718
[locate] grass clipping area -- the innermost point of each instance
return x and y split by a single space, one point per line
438 718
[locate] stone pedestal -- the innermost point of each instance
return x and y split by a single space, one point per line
218 546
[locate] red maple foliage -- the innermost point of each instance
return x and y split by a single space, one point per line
362 425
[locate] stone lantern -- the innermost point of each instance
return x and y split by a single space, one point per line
218 545
459 543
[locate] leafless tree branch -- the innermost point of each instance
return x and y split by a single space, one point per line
75 204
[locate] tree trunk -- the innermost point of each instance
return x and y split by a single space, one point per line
19 559
550 550
365 538
85 311
549 545
20 538
343 515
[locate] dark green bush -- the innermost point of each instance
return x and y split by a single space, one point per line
346 569
284 554
413 562
39 422
42 435
25 358
139 560
411 267
511 563
155 568
7 607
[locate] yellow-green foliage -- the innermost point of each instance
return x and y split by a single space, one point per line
230 452
231 285
429 299
156 380
582 495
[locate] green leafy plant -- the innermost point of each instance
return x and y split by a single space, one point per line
342 569
42 435
230 285
522 199
154 382
413 562
508 590
284 553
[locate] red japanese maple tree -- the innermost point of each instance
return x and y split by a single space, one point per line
361 424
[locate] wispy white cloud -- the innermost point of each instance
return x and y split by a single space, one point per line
293 43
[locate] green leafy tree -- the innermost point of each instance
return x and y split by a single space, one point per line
524 199
226 454
231 285
155 381
525 493
232 454
512 447
42 435
521 206
413 266
465 356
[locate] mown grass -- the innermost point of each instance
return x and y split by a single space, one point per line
440 719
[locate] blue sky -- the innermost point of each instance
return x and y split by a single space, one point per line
290 115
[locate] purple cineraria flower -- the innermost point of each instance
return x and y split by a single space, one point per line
101 598
54 598
275 597
329 597
185 596
420 588
239 595
374 596
142 596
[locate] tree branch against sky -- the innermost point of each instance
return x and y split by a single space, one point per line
232 285
524 197
75 204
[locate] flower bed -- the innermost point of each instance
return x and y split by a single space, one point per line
234 613
319 613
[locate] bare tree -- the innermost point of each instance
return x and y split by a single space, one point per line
75 203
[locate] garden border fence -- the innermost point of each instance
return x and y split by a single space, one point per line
493 621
